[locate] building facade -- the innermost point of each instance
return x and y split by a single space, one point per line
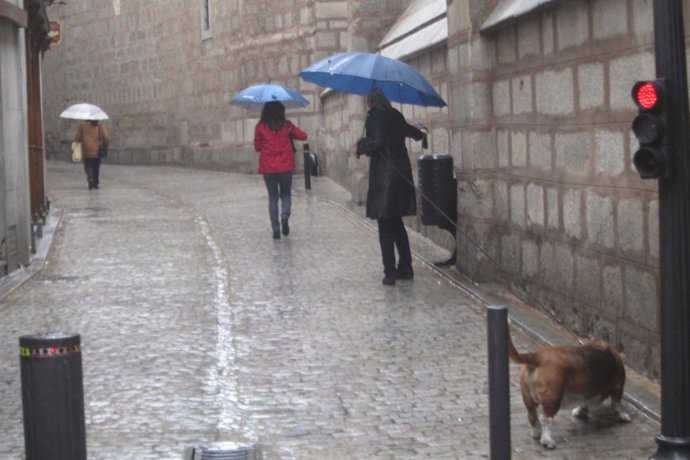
538 123
23 202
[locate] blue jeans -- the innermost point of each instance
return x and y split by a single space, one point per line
279 185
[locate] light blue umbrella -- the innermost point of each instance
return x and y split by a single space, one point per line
357 73
255 96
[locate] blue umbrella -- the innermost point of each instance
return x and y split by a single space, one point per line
357 73
255 96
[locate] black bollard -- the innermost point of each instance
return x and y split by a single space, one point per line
307 168
499 376
33 239
52 397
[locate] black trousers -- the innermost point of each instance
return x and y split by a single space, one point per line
92 168
392 236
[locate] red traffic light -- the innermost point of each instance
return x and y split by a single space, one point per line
649 127
647 94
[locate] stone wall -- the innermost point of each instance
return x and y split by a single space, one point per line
547 185
166 83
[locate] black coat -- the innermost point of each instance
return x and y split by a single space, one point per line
391 187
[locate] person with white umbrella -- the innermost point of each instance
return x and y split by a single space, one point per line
93 136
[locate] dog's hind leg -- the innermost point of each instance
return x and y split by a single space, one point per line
534 421
616 398
532 406
618 408
550 405
546 440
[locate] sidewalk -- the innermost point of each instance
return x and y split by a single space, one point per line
640 392
197 328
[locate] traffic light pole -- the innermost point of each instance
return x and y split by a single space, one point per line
674 232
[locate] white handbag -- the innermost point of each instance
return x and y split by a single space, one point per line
76 152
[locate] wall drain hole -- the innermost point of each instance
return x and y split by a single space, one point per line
222 451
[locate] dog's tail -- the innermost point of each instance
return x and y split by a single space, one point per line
517 357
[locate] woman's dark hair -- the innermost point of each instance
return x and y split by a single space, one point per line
273 115
93 122
376 98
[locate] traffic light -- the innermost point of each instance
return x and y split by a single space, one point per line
651 129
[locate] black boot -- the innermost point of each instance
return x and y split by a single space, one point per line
404 272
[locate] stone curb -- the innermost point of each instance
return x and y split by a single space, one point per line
15 279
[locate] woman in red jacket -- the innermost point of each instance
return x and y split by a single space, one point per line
273 140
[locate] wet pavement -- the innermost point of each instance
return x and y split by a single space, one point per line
197 327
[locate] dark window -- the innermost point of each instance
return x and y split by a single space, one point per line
206 31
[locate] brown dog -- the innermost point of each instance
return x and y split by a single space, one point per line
555 376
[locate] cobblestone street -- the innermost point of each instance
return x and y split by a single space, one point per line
197 327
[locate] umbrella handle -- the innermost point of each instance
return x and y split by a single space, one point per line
425 141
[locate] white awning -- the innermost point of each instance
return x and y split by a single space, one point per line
423 25
509 11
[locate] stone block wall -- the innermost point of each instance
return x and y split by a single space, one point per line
547 185
166 83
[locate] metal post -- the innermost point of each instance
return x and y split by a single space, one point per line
499 377
52 397
33 239
674 229
307 168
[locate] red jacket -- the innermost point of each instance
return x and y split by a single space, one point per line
275 147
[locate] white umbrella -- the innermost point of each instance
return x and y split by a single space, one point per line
84 111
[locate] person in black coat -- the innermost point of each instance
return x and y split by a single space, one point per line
391 192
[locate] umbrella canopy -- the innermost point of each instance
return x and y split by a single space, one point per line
84 111
357 73
255 96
